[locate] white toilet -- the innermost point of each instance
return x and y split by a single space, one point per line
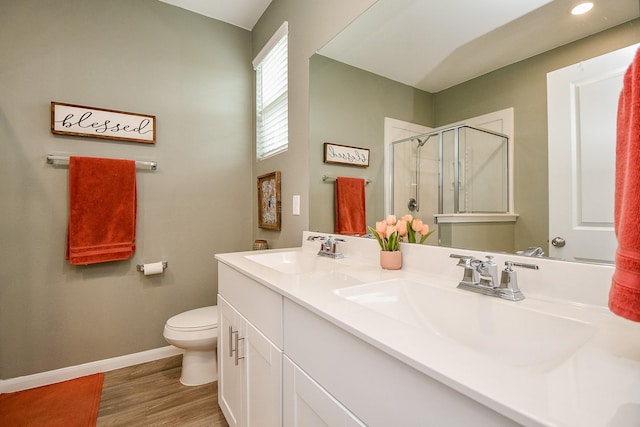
195 331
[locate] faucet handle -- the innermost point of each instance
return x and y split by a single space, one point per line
510 264
459 256
314 238
470 275
509 279
465 260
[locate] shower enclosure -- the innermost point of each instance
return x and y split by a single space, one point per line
456 170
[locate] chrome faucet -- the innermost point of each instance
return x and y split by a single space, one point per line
482 277
329 247
488 271
532 251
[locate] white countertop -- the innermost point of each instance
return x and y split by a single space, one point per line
597 385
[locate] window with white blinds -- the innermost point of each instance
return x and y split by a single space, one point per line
272 106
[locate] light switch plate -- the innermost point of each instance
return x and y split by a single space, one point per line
296 204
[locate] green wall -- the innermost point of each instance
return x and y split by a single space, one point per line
311 25
194 74
347 107
523 86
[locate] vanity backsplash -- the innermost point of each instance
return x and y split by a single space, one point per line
578 283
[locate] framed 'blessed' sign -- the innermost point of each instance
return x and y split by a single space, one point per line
345 155
69 119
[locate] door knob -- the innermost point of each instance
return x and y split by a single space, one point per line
558 242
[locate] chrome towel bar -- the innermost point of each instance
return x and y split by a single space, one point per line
326 178
64 160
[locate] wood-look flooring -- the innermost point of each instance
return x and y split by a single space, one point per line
150 394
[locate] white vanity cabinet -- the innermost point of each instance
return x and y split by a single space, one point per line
282 362
249 351
345 343
376 388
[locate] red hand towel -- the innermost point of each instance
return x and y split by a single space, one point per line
624 296
351 214
102 210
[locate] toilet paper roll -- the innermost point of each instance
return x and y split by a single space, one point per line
153 268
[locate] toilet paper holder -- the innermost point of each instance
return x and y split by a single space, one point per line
140 267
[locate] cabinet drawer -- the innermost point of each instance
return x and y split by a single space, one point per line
305 403
258 304
378 388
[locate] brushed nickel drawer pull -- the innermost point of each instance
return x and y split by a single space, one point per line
231 341
237 358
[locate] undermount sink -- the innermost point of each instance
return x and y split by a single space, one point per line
293 262
500 329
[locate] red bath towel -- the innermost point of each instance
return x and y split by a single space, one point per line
102 210
624 296
351 214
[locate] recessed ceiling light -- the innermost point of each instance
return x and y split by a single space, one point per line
582 8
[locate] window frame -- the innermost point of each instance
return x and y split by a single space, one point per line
276 109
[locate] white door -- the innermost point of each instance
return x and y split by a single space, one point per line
231 375
264 379
582 105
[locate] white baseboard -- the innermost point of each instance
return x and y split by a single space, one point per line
71 372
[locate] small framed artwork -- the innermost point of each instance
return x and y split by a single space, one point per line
346 155
269 207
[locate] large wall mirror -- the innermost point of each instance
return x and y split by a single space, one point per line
431 64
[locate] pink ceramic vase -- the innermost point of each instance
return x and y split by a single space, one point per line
391 260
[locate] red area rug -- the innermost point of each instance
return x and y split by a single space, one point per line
68 403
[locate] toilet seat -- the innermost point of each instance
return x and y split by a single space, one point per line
199 319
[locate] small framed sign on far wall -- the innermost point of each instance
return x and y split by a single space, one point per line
269 205
346 155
